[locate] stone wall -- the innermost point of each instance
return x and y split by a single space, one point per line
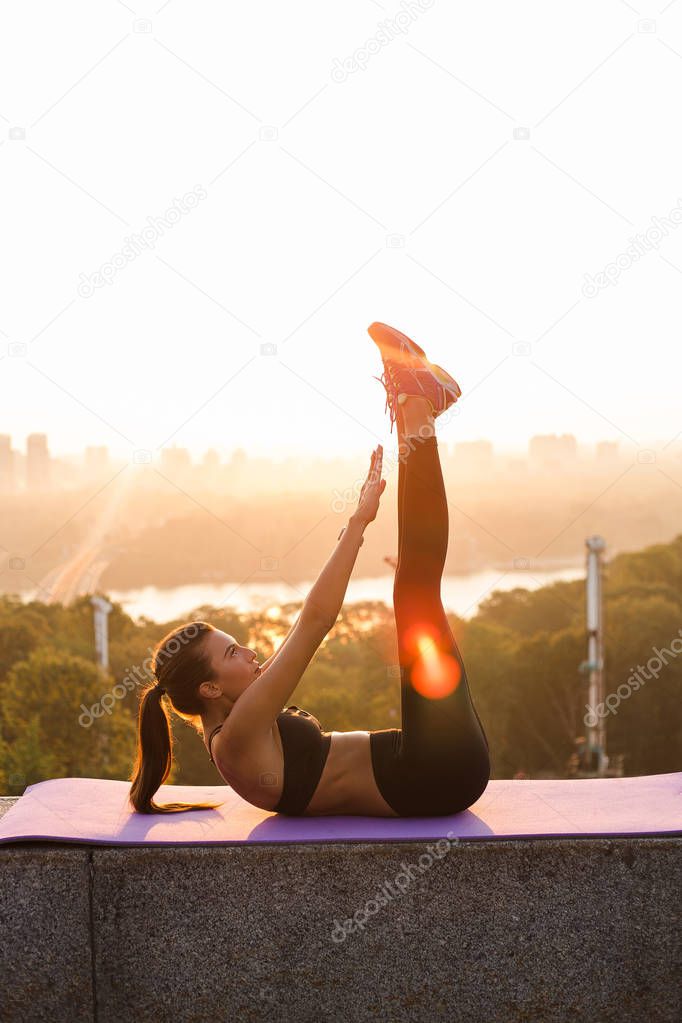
519 930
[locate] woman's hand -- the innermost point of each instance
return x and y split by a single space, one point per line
372 489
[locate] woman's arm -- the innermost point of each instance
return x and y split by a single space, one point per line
254 713
327 595
329 591
286 639
256 709
329 585
260 703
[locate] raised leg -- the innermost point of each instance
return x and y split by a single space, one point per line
444 751
414 421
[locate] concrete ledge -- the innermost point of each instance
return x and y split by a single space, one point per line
508 931
537 930
45 934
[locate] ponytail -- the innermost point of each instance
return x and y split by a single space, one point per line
154 757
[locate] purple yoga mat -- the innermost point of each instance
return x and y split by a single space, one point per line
96 812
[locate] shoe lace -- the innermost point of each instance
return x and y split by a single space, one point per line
391 395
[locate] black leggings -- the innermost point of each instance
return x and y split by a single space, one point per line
438 762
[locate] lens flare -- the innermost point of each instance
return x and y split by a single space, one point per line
434 674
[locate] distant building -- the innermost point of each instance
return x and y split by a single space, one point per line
473 456
514 465
547 452
211 459
7 471
607 452
37 462
211 470
239 471
96 460
176 460
238 457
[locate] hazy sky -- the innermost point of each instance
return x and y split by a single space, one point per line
453 170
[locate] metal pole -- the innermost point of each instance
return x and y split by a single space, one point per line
596 734
102 608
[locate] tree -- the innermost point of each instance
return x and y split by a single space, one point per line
44 728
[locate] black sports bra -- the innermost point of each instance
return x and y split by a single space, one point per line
306 748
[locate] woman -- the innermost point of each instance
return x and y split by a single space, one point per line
281 760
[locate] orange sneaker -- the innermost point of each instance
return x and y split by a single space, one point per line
408 372
435 384
396 346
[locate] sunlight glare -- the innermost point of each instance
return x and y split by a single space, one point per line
435 674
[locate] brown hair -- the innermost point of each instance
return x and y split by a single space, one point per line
180 665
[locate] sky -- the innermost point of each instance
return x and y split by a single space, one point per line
205 206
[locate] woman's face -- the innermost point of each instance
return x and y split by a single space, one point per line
235 666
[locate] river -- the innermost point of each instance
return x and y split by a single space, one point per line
461 594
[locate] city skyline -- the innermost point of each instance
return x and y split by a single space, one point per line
353 429
37 467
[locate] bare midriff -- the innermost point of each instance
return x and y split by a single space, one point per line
346 786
